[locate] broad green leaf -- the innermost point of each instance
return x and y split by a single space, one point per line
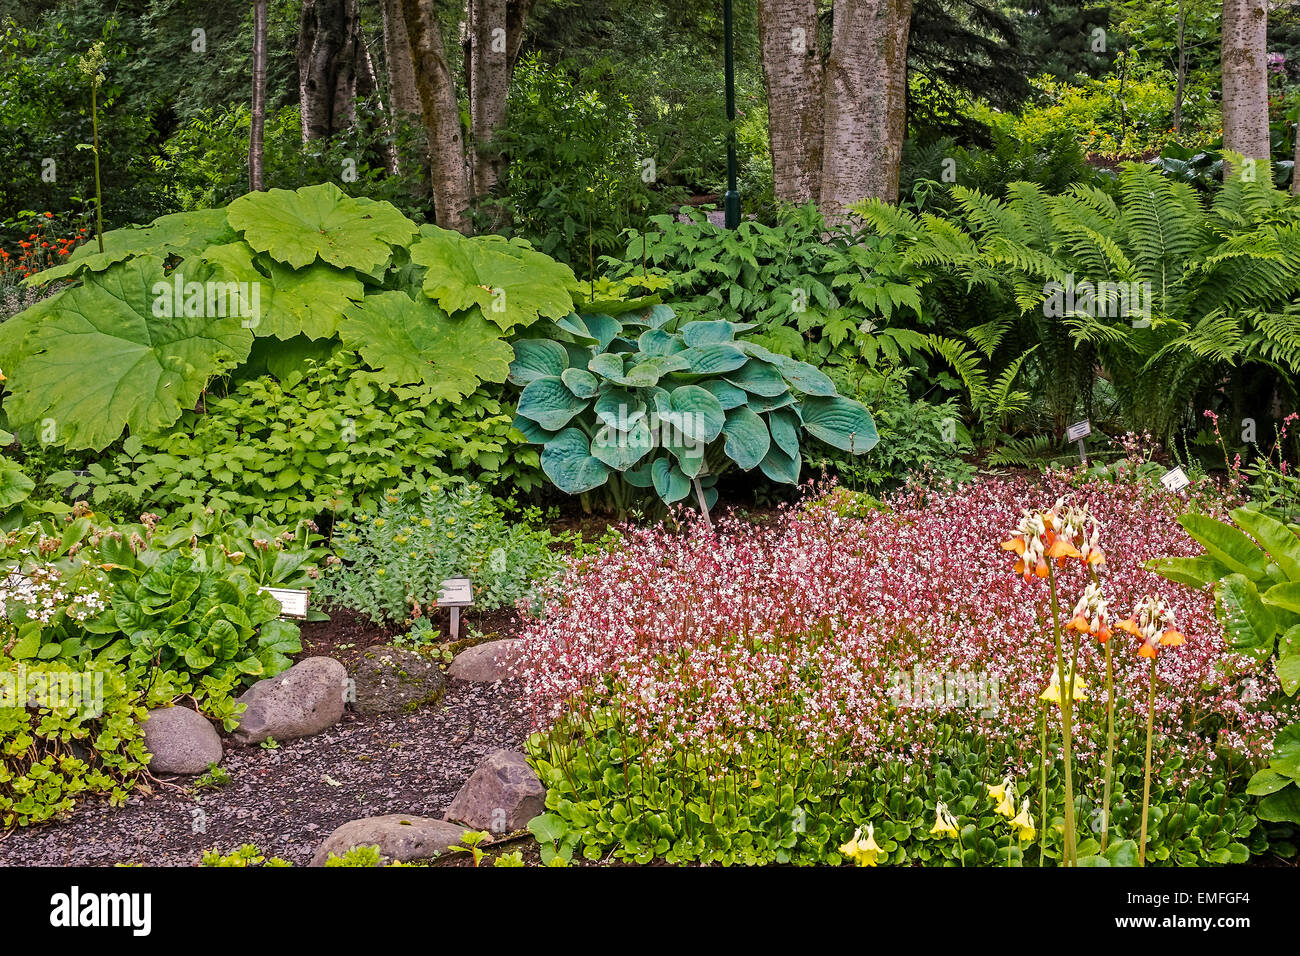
289 302
533 433
747 439
297 226
841 423
1288 672
779 466
537 358
409 342
784 425
658 342
696 334
713 359
549 403
568 462
695 412
1194 572
805 378
103 361
1278 540
1247 621
619 408
670 483
14 485
179 234
759 378
603 328
1265 782
512 285
727 394
1226 544
1281 807
580 382
1285 596
621 450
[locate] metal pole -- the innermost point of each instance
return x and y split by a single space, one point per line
731 201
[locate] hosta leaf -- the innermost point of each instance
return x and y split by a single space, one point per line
180 234
568 462
537 358
805 378
784 425
410 342
747 439
759 378
647 372
297 226
696 334
533 433
103 361
658 342
606 365
603 328
511 284
841 423
621 450
713 359
779 466
727 394
670 483
310 301
580 382
695 412
549 403
619 408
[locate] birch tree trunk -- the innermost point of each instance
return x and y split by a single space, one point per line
488 78
866 104
402 97
437 93
257 121
328 56
1245 79
792 72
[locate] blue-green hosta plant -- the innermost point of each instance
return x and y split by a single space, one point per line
644 401
140 330
1254 565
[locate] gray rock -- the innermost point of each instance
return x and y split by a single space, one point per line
391 680
304 700
181 741
501 795
491 661
399 837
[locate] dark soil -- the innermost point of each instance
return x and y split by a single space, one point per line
347 634
286 801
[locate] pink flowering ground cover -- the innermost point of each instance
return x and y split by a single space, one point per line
859 636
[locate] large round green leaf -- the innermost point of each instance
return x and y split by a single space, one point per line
99 360
297 226
537 358
179 234
669 481
568 462
549 402
289 302
622 449
747 439
713 359
581 382
702 333
695 412
758 377
727 394
410 341
840 422
511 283
619 408
780 467
784 425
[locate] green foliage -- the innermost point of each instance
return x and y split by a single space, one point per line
651 401
59 749
1254 565
1278 784
15 486
1213 285
395 558
333 437
136 343
771 803
246 855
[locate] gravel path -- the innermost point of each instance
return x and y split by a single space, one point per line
287 801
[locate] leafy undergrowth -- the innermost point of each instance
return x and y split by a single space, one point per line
755 693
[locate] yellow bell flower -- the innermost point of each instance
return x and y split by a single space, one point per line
864 852
944 823
1024 826
1052 693
1005 794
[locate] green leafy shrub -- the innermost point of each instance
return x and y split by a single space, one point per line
332 438
395 558
57 749
648 401
134 343
1278 784
246 855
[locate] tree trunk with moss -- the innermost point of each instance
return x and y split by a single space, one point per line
441 115
792 72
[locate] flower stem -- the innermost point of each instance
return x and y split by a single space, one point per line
1146 781
1110 749
1067 708
1042 791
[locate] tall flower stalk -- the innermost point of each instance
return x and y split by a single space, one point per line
1153 625
1092 616
92 65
